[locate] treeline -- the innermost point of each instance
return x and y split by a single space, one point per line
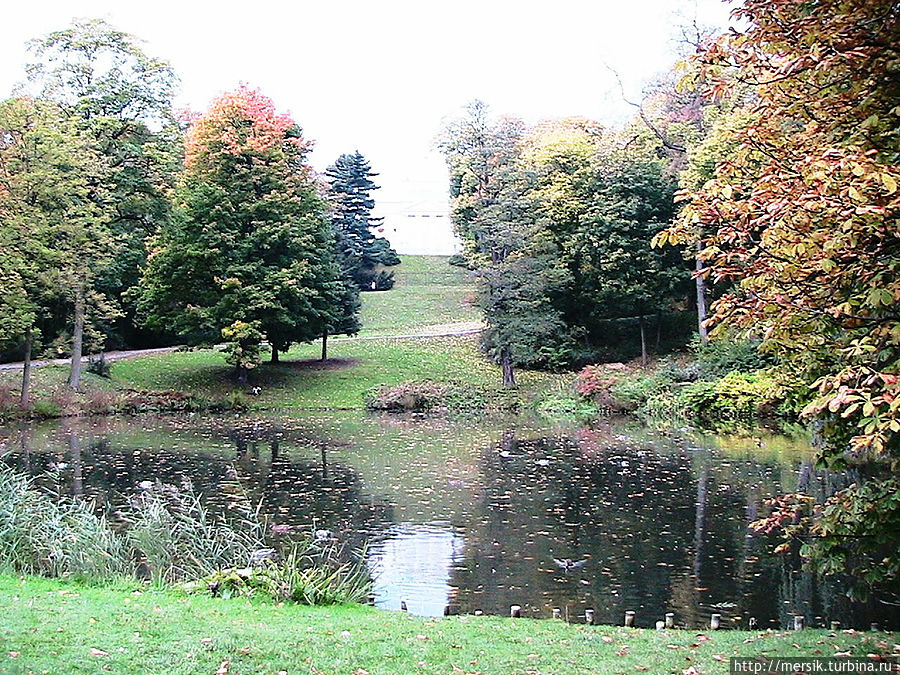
123 223
769 160
558 221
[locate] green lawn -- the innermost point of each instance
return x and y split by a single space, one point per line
54 627
300 381
429 296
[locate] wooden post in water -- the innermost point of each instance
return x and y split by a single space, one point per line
629 619
557 613
835 625
670 619
515 611
589 616
799 622
715 620
754 624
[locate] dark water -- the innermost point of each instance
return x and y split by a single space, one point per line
479 516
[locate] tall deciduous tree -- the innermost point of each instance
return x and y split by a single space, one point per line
121 98
601 196
803 219
250 251
55 237
492 213
363 255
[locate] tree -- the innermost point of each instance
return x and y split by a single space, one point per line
362 255
121 98
249 252
492 213
601 196
55 237
802 219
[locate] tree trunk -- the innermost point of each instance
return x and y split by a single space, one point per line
242 374
26 369
77 337
658 332
509 376
274 354
644 359
701 299
324 346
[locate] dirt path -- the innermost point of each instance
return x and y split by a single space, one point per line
133 353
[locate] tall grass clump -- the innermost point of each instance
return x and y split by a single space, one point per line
177 538
166 534
57 538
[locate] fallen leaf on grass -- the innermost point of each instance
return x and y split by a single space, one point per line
244 650
422 637
206 641
642 668
606 638
359 671
673 646
690 671
718 657
223 667
98 652
13 655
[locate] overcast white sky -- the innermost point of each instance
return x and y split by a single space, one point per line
380 76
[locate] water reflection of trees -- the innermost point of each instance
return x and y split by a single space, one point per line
662 530
270 467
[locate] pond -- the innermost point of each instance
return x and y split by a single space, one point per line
462 516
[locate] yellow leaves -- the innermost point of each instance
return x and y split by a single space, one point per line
854 194
889 182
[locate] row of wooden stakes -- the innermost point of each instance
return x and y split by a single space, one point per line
715 620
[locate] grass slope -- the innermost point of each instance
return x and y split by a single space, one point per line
56 627
429 296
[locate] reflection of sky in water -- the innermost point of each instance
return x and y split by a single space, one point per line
413 562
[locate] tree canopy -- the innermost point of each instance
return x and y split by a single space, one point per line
250 242
800 218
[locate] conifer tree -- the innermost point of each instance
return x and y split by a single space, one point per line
363 255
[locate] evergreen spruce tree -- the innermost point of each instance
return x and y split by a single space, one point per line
363 256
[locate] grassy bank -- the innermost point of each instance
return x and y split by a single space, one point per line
429 297
57 627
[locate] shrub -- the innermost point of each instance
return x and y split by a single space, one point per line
301 577
98 365
736 397
428 396
46 408
9 402
726 354
632 392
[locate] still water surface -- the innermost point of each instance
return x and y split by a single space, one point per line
462 516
